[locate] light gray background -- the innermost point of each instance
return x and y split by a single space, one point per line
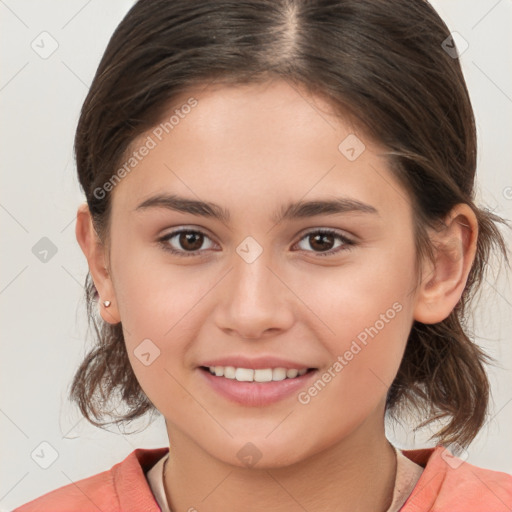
42 309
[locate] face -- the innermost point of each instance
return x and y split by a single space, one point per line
266 285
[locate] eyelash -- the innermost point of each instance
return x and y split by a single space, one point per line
347 243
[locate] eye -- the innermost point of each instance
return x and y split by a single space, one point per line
189 242
323 239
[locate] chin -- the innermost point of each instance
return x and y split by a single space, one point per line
260 453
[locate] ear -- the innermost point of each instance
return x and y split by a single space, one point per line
94 251
444 280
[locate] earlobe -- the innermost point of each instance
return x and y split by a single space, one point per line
94 251
444 279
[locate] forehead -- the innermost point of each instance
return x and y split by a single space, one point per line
263 143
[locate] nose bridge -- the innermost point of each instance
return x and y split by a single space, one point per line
252 282
254 300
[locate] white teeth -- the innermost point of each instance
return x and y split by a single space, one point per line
244 375
229 372
263 375
279 374
259 375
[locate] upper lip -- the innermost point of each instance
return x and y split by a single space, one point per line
255 363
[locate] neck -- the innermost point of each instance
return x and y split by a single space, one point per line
358 473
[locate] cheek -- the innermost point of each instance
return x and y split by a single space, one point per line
155 299
368 309
365 360
161 314
366 290
157 316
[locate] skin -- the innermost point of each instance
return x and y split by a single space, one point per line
251 150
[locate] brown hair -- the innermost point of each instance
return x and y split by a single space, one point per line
381 62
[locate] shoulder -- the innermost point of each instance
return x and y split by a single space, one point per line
93 493
122 488
449 483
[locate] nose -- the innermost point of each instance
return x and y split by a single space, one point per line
255 302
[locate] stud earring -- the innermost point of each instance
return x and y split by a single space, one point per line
106 303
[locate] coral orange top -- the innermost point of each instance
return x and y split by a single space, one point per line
447 484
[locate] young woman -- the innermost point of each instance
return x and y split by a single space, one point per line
283 243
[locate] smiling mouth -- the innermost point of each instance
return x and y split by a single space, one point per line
256 375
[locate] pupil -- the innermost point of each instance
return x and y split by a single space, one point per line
186 238
321 237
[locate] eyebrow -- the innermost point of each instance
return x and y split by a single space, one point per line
297 210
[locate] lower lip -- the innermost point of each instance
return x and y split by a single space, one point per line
256 394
